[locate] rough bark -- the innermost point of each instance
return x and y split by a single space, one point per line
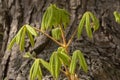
102 52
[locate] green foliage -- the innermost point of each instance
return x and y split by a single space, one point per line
64 58
60 60
35 71
78 56
56 33
90 22
82 60
73 63
53 17
55 64
117 16
45 64
20 37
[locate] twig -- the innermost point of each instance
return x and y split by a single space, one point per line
49 36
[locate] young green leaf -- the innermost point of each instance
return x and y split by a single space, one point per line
56 33
81 25
18 36
117 16
53 17
31 38
45 64
35 71
88 28
44 20
50 11
57 65
64 58
36 66
95 21
52 64
65 17
39 74
73 63
82 60
22 41
31 30
31 71
11 43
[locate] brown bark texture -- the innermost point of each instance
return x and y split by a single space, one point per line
102 52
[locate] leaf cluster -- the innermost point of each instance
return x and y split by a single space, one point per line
90 22
20 37
53 17
57 19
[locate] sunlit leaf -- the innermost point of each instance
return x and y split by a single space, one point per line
35 71
31 71
88 28
31 30
52 64
45 64
57 65
39 74
11 43
18 35
81 25
22 41
82 61
53 17
44 20
31 38
73 63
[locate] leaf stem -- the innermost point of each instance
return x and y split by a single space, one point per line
49 37
63 35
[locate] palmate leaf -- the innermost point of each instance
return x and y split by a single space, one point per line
82 60
117 16
20 37
53 17
73 63
88 19
35 71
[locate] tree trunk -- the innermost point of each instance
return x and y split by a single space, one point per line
102 52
